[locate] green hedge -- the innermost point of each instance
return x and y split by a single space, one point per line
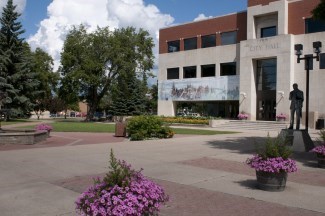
146 127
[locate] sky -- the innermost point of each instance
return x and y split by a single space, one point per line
47 22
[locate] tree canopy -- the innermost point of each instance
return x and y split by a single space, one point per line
319 11
95 61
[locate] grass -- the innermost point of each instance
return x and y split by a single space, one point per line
92 127
15 121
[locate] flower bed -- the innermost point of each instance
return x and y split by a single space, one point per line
281 117
274 165
123 191
242 116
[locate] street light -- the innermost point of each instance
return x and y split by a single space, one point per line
308 66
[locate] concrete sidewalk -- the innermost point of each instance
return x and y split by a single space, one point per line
204 175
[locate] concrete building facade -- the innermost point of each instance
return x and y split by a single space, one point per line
241 62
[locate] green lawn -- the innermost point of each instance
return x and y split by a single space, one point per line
65 126
15 121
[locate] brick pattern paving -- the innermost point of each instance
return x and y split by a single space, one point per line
185 200
302 176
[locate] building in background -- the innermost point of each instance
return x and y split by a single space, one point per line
241 62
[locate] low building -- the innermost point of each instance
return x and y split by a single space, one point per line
241 62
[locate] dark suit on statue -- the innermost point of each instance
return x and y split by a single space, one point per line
297 98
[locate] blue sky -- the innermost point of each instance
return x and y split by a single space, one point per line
181 10
47 22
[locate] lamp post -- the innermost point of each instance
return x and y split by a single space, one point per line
308 66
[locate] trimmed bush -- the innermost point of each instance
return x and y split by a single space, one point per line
146 127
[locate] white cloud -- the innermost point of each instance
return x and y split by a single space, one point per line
202 17
21 4
63 14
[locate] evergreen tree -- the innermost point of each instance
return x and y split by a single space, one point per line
129 95
319 11
18 82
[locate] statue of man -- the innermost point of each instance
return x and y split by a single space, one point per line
297 98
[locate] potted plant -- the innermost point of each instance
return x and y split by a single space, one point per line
272 164
242 116
123 191
320 150
281 117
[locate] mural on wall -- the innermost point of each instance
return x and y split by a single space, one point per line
203 89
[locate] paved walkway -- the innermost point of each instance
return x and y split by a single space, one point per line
204 175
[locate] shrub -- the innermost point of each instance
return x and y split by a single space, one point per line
186 120
146 127
123 191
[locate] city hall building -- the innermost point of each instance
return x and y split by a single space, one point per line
242 62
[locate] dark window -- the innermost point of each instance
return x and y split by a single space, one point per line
268 32
208 41
228 69
266 74
208 70
228 38
190 43
172 73
173 46
189 72
312 25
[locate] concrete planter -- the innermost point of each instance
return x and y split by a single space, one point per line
321 160
269 181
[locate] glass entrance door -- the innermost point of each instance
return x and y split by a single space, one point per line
266 89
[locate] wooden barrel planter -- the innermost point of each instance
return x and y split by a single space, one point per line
321 160
269 181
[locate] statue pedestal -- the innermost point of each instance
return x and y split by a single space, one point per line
298 140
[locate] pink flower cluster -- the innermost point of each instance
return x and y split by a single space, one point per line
140 197
281 116
319 149
43 127
274 165
242 116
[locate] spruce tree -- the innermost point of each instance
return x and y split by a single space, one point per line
20 82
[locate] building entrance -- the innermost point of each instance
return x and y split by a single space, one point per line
266 89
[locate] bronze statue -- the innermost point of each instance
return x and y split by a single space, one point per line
297 98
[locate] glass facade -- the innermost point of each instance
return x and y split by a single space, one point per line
266 74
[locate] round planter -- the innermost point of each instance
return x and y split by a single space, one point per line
281 120
271 181
321 160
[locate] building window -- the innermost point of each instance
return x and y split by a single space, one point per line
228 38
266 74
228 69
312 26
173 46
268 32
208 70
172 73
190 43
208 41
189 72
